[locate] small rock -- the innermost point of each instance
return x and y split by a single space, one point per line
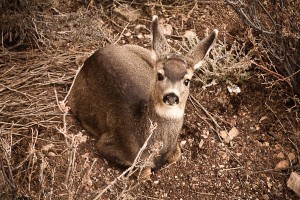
51 154
140 36
238 154
234 89
266 144
47 147
127 34
205 136
223 134
284 164
280 155
195 179
258 143
182 143
156 182
205 132
233 133
190 34
292 157
294 183
265 197
139 27
233 122
257 128
167 29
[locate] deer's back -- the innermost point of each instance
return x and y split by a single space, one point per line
114 84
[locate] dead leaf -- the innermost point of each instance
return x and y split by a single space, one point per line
223 134
294 183
227 137
262 119
280 155
292 157
284 164
278 147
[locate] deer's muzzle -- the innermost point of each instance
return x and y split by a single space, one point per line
171 99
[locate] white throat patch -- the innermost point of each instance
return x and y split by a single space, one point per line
169 112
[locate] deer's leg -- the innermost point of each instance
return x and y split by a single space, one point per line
144 174
109 148
174 155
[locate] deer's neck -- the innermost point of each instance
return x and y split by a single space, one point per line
155 114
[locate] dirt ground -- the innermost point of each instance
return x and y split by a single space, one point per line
46 154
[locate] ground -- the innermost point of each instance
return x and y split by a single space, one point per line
47 155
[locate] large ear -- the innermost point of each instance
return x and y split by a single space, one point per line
197 53
160 47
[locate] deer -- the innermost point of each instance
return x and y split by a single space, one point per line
120 90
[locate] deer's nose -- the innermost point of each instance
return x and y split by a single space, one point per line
171 99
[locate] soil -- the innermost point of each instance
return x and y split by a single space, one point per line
56 162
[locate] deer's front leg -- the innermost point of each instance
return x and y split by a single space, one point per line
174 155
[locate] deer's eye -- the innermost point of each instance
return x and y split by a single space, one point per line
160 77
186 82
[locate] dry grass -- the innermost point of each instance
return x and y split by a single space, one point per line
29 115
19 22
37 148
35 130
276 34
40 150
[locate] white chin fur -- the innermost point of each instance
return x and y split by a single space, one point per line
169 112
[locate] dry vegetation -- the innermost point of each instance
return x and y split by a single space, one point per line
44 154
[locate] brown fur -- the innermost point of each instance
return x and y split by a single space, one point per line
116 94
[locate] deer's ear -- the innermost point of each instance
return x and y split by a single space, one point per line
197 53
160 47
